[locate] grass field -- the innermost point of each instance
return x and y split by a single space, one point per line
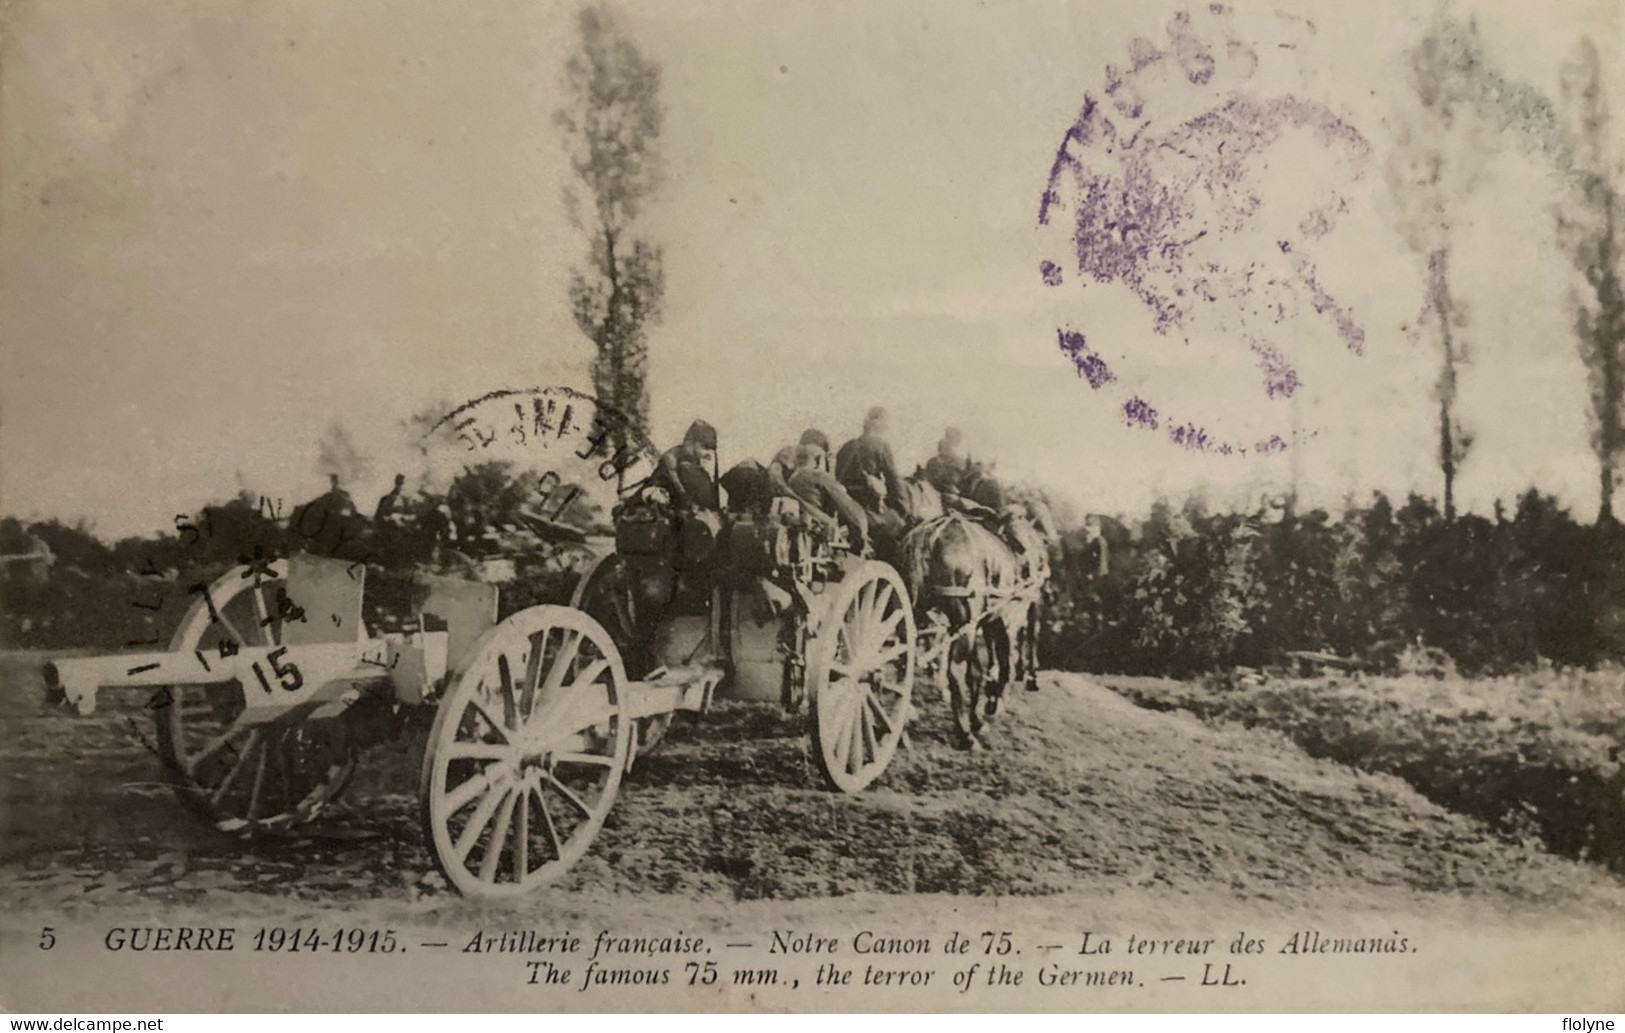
1537 755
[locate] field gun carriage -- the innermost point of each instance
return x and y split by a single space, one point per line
273 684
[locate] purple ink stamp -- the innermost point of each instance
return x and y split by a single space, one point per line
1194 186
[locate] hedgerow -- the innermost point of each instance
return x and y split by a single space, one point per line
1186 591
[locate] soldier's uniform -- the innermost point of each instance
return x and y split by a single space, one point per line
865 468
686 472
822 493
946 470
984 489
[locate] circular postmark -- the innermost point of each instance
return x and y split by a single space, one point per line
1198 190
560 428
553 456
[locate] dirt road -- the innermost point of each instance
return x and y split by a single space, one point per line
1083 792
1087 806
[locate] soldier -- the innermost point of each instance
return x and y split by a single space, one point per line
337 500
688 471
946 470
327 522
865 468
981 487
822 494
784 463
391 503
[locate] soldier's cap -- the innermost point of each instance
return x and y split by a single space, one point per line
702 434
815 437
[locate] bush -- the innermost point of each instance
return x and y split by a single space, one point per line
1190 591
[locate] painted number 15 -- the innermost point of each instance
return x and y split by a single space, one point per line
287 674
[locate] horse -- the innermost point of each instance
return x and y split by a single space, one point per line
954 568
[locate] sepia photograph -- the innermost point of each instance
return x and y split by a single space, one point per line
724 506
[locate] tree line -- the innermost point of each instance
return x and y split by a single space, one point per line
1382 587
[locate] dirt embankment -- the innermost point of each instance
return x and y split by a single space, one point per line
1083 793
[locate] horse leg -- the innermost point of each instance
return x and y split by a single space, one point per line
999 637
958 666
1029 650
983 692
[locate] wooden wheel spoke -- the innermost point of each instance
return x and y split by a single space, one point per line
231 629
259 782
521 839
589 674
592 759
266 627
841 714
575 712
236 769
865 608
890 599
464 794
890 654
871 744
499 836
562 662
877 713
510 702
857 623
855 757
215 745
490 719
569 794
284 772
479 751
548 826
843 637
533 676
479 820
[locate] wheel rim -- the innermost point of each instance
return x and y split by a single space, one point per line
240 775
527 752
861 678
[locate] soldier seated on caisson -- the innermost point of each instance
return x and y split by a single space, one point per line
867 471
823 496
687 472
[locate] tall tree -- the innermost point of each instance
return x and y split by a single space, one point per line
1589 224
611 119
1437 163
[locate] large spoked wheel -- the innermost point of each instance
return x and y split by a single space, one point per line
235 775
603 593
860 677
526 754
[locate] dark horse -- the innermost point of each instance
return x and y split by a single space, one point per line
962 575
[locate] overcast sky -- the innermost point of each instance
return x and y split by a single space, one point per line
225 225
